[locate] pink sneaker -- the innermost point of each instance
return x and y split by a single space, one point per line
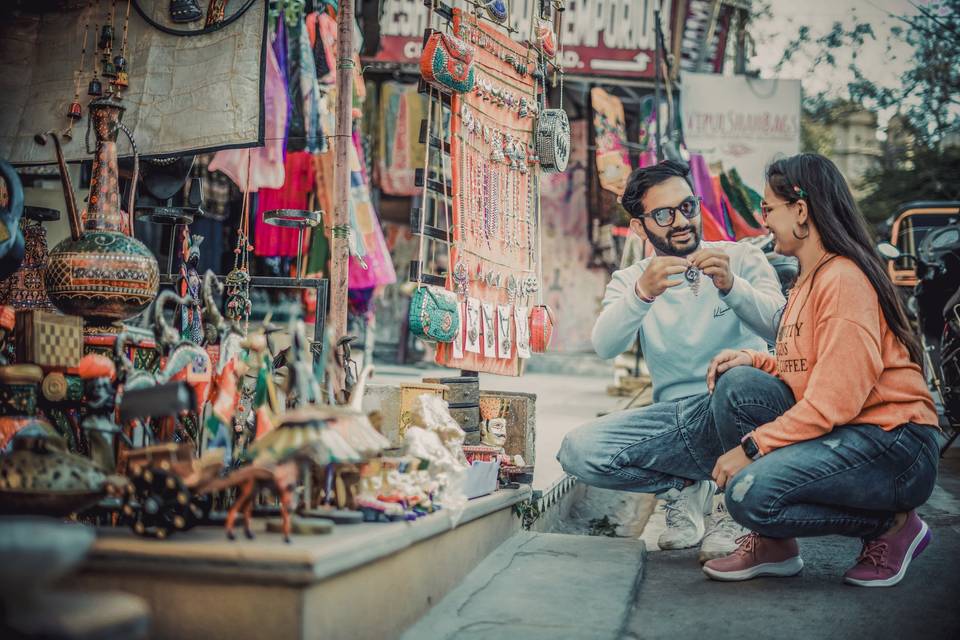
757 556
883 561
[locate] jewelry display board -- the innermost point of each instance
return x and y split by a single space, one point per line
493 258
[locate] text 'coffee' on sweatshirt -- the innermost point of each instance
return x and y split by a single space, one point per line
844 365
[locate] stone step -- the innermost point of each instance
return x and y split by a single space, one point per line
542 585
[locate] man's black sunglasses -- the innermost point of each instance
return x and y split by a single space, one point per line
664 216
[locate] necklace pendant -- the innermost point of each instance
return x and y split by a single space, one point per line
692 276
461 278
512 288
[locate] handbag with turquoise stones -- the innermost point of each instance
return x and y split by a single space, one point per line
433 314
447 63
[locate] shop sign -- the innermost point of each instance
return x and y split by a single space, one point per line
696 26
742 122
612 38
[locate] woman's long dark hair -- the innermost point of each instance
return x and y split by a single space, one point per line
843 231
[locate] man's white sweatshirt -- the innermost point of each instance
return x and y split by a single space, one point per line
681 332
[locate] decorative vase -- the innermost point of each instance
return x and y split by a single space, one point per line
24 288
99 272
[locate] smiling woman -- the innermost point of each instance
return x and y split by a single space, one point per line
835 434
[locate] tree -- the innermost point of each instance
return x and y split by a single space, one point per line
929 93
932 175
927 100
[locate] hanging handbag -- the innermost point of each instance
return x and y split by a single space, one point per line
447 63
545 40
497 10
553 140
434 311
433 314
541 328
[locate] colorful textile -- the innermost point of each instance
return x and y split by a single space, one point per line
703 186
322 30
738 198
712 229
268 240
279 46
266 162
368 242
399 149
310 89
741 228
297 128
751 197
613 161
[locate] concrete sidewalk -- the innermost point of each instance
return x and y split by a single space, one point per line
555 585
542 586
676 600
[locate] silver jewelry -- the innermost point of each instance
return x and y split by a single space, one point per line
512 286
461 278
692 276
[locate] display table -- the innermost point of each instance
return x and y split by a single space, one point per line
360 581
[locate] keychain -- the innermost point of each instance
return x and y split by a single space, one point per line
692 276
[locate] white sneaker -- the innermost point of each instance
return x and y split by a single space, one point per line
720 540
685 515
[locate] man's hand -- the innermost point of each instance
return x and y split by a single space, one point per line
716 265
655 279
724 361
729 465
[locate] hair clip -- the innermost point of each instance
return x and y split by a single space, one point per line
799 191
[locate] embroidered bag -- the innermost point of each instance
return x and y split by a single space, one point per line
553 140
433 314
545 40
541 328
447 63
497 10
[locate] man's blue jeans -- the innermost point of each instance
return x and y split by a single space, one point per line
848 482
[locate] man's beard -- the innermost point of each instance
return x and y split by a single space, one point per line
666 247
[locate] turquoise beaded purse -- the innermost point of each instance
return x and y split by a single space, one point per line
433 314
447 63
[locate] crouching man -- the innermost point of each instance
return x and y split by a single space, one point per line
688 302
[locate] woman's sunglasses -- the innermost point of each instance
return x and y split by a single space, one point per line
664 216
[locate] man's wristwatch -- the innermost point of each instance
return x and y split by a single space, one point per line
750 447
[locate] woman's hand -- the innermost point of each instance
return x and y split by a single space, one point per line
729 465
724 361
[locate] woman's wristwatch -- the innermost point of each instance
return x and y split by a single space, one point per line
750 447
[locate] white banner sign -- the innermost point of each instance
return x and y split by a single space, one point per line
742 122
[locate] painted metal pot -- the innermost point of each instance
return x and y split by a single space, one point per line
24 289
100 272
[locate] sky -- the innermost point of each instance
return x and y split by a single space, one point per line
773 34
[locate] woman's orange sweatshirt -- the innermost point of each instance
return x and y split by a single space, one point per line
841 360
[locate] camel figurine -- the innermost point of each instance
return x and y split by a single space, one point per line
281 478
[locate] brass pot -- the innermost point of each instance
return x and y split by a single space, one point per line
100 272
